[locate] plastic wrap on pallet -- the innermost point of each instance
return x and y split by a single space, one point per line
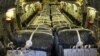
41 27
55 10
42 42
63 27
41 20
26 53
2 49
59 20
71 37
80 52
86 37
67 39
43 37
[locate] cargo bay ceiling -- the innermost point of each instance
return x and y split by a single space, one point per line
5 4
